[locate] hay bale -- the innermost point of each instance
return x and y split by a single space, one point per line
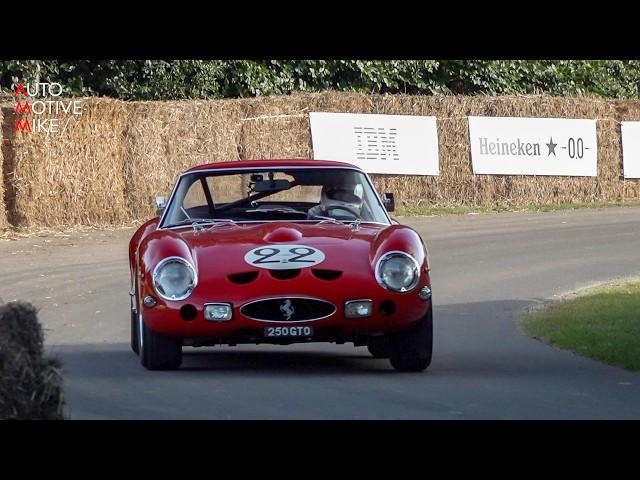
278 127
4 147
30 385
163 139
118 155
73 177
456 185
626 110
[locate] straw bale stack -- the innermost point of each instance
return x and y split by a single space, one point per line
73 177
278 127
163 139
4 147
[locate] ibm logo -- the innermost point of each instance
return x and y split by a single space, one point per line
376 143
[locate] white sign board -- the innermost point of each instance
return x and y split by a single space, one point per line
631 149
395 144
533 146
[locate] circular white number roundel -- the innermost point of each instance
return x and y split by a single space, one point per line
283 257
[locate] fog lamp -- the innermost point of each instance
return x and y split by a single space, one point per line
358 308
219 312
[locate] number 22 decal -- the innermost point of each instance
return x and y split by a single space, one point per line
281 257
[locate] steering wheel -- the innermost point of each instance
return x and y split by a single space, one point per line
346 209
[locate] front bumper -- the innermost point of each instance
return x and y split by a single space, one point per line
391 312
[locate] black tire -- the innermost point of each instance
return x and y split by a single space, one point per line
135 345
135 307
378 347
158 352
410 351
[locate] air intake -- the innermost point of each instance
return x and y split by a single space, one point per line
242 278
326 274
287 274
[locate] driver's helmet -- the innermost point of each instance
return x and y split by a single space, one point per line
345 195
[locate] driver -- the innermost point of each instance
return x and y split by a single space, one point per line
344 199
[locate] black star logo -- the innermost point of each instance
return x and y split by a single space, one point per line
552 147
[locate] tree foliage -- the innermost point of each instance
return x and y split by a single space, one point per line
191 79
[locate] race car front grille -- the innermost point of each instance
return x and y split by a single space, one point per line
288 309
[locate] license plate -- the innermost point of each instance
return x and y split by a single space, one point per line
295 331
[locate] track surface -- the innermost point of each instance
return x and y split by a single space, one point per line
486 269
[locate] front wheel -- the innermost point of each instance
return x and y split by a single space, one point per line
378 347
135 343
158 352
410 351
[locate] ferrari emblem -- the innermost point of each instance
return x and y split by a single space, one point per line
287 309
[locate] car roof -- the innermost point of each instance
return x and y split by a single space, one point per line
286 163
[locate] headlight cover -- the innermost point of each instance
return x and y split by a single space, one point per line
174 278
398 271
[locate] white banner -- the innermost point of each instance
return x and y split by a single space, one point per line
395 144
533 146
631 149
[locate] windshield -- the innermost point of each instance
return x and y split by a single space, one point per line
312 194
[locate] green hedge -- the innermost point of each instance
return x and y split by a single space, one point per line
189 79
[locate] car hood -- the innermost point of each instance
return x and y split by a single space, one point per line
222 248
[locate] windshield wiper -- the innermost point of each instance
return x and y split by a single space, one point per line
325 219
197 221
222 221
190 221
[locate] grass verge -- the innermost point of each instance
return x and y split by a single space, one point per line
601 323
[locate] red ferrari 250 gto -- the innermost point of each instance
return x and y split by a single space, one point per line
279 252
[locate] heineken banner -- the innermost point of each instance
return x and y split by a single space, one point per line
631 149
533 146
395 144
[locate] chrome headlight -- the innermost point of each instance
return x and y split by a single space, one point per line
174 278
398 271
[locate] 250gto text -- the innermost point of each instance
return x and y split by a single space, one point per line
288 331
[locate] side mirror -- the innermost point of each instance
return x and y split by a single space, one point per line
161 203
389 202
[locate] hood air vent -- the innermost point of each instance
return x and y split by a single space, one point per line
326 274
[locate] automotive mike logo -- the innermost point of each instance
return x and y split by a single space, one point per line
37 105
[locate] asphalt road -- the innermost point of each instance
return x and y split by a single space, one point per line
486 270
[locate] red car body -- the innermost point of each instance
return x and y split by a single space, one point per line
348 272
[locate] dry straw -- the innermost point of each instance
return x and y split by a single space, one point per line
114 158
4 146
278 127
456 185
162 139
73 177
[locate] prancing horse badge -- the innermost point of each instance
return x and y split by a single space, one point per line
287 309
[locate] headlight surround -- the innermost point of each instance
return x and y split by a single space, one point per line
398 271
174 278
